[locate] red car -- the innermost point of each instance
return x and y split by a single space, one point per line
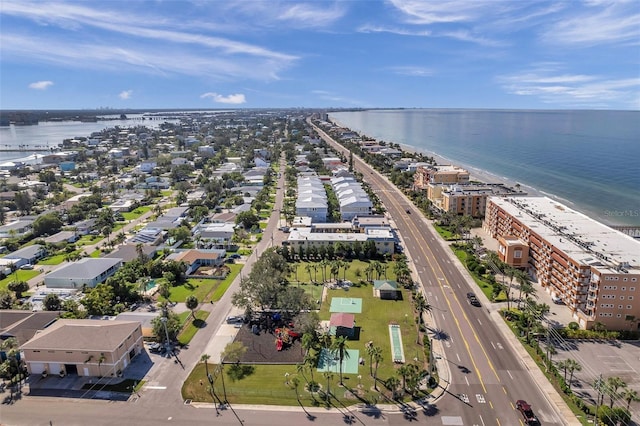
527 413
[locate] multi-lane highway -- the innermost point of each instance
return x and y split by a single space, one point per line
486 375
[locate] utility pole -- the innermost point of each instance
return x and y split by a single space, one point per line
599 389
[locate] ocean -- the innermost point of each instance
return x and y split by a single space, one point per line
589 160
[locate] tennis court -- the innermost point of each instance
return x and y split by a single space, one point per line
329 361
352 305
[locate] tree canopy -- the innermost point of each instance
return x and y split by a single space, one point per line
267 287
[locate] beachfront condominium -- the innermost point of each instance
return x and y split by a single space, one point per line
590 267
445 174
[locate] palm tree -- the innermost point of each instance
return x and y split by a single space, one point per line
525 284
630 396
328 375
340 347
403 371
308 269
370 351
563 365
392 384
421 306
377 358
511 273
572 366
204 358
612 386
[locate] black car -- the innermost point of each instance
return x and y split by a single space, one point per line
473 300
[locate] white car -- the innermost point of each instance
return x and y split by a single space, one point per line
27 266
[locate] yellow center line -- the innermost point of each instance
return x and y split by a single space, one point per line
461 308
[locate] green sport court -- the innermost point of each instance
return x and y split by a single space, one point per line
351 305
329 361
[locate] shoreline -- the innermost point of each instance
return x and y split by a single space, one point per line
485 176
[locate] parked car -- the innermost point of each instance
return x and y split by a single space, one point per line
526 411
27 266
235 256
473 300
235 319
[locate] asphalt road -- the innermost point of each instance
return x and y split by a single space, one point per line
486 375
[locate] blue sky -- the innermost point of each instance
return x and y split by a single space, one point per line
356 53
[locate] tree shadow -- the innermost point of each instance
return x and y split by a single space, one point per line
199 323
439 334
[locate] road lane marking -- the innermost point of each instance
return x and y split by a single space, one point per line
482 420
466 380
480 322
494 347
480 398
458 356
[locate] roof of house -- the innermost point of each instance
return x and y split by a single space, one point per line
60 237
84 268
25 253
385 285
192 255
129 252
82 335
23 324
342 319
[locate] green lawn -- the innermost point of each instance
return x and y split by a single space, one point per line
166 192
205 290
19 275
96 254
87 240
189 330
356 272
53 260
133 215
265 384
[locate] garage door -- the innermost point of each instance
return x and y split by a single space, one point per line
54 368
36 367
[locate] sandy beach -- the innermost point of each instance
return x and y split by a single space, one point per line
476 174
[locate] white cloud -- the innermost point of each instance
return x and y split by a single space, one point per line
172 52
41 85
598 23
432 12
412 71
392 30
236 99
158 60
573 89
125 94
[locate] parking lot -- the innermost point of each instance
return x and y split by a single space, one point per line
609 358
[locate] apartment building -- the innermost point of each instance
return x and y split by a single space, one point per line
444 174
593 269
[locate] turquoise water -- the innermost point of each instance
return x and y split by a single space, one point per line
588 159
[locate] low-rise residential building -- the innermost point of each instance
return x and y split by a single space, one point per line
218 234
27 255
84 348
16 228
196 258
384 240
87 272
593 269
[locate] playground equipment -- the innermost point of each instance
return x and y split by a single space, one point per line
285 336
